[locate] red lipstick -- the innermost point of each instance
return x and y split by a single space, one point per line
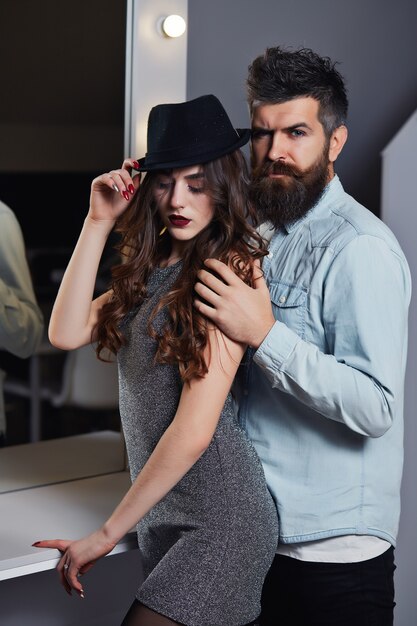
178 220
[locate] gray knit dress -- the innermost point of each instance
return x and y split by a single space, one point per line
208 544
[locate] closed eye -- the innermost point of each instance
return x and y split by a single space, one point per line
193 189
164 185
198 180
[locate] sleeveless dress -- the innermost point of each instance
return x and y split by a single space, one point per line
208 544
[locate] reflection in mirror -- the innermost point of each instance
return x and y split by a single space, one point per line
61 123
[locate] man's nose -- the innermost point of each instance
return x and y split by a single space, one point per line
277 148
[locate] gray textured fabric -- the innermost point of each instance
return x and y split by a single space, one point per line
208 544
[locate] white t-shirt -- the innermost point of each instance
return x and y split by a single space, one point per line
344 549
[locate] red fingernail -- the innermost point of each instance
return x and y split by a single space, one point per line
136 165
36 543
131 189
125 195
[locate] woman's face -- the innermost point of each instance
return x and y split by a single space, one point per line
183 205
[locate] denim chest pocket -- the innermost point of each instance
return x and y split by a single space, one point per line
289 305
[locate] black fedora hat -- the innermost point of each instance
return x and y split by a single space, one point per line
190 133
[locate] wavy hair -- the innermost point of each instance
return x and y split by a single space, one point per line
230 237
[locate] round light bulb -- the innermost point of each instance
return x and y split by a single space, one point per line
174 26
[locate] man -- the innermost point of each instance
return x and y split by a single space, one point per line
21 321
321 395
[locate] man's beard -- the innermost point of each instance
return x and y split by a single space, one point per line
285 200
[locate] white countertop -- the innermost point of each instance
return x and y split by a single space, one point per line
66 506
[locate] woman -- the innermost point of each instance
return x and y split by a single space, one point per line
207 526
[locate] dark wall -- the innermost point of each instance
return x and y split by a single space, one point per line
62 69
61 110
374 41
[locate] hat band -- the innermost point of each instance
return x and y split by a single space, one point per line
162 156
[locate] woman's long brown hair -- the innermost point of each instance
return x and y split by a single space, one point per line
230 237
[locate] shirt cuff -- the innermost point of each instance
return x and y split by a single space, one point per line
276 347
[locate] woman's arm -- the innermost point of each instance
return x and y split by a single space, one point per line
185 440
75 312
182 444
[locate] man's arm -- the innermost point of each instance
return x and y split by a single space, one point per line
365 305
21 321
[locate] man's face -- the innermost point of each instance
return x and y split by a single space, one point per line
290 159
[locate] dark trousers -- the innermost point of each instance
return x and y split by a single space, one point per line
303 593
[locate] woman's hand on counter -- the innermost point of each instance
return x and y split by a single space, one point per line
77 557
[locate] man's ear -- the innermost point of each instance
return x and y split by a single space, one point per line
337 141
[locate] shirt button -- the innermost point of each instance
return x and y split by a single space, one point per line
245 392
270 255
282 299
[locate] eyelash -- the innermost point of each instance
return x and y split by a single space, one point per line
191 189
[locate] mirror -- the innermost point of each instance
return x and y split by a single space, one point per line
61 123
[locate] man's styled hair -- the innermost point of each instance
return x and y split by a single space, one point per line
280 75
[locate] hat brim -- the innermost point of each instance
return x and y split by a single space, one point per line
197 159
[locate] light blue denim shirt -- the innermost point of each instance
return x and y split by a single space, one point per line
322 397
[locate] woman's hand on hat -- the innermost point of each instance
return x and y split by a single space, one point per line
112 192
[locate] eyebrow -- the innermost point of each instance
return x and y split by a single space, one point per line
263 128
270 131
195 176
295 126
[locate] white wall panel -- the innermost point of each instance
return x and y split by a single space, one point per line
156 67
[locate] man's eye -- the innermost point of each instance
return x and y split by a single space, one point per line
297 133
259 133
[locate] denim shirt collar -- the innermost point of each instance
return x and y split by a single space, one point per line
274 237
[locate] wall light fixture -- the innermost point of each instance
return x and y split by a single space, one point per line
172 26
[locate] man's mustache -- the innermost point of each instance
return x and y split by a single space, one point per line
276 167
